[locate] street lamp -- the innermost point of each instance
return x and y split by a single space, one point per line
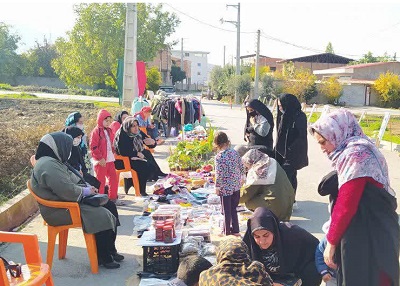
237 25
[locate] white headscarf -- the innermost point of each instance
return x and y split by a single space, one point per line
262 169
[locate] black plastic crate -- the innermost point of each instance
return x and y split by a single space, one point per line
161 259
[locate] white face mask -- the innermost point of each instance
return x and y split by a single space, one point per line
76 141
80 126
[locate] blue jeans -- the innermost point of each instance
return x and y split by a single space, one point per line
163 125
152 132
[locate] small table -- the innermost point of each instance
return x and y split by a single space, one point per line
160 257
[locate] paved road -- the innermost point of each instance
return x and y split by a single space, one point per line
65 96
75 270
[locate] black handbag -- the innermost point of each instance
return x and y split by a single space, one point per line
14 269
95 200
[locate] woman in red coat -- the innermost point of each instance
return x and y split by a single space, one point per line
363 237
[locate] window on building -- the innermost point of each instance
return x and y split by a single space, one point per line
272 69
199 64
198 73
186 54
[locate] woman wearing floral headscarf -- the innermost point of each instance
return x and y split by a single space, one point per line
266 185
364 231
234 267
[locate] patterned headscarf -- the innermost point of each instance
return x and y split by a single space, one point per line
125 130
118 116
234 267
262 169
355 156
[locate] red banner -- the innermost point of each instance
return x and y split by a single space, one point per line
141 77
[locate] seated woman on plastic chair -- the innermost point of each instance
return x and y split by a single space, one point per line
129 141
76 160
144 120
55 180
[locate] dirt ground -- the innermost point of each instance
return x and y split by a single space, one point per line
23 123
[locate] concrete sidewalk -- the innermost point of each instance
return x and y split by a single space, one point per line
75 269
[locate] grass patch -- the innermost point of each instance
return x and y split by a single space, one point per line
5 86
104 104
22 95
314 116
25 119
371 125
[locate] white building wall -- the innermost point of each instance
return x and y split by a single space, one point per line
199 65
353 95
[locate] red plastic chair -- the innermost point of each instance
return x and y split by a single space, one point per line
127 168
34 272
62 230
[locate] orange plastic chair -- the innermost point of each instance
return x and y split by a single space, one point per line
62 230
34 272
127 168
144 130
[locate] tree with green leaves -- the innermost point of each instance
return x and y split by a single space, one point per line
219 80
8 52
177 74
370 58
331 89
153 79
329 48
243 86
89 53
37 61
267 87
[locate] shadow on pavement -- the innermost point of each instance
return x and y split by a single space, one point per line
310 215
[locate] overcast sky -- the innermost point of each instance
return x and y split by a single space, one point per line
288 29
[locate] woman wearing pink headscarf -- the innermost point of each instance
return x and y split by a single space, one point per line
363 238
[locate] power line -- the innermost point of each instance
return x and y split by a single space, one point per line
300 46
207 24
262 35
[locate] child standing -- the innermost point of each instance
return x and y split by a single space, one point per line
101 140
329 185
229 173
328 274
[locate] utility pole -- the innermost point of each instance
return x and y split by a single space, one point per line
130 82
257 75
237 24
224 56
182 65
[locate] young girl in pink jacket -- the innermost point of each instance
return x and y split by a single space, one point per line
101 146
